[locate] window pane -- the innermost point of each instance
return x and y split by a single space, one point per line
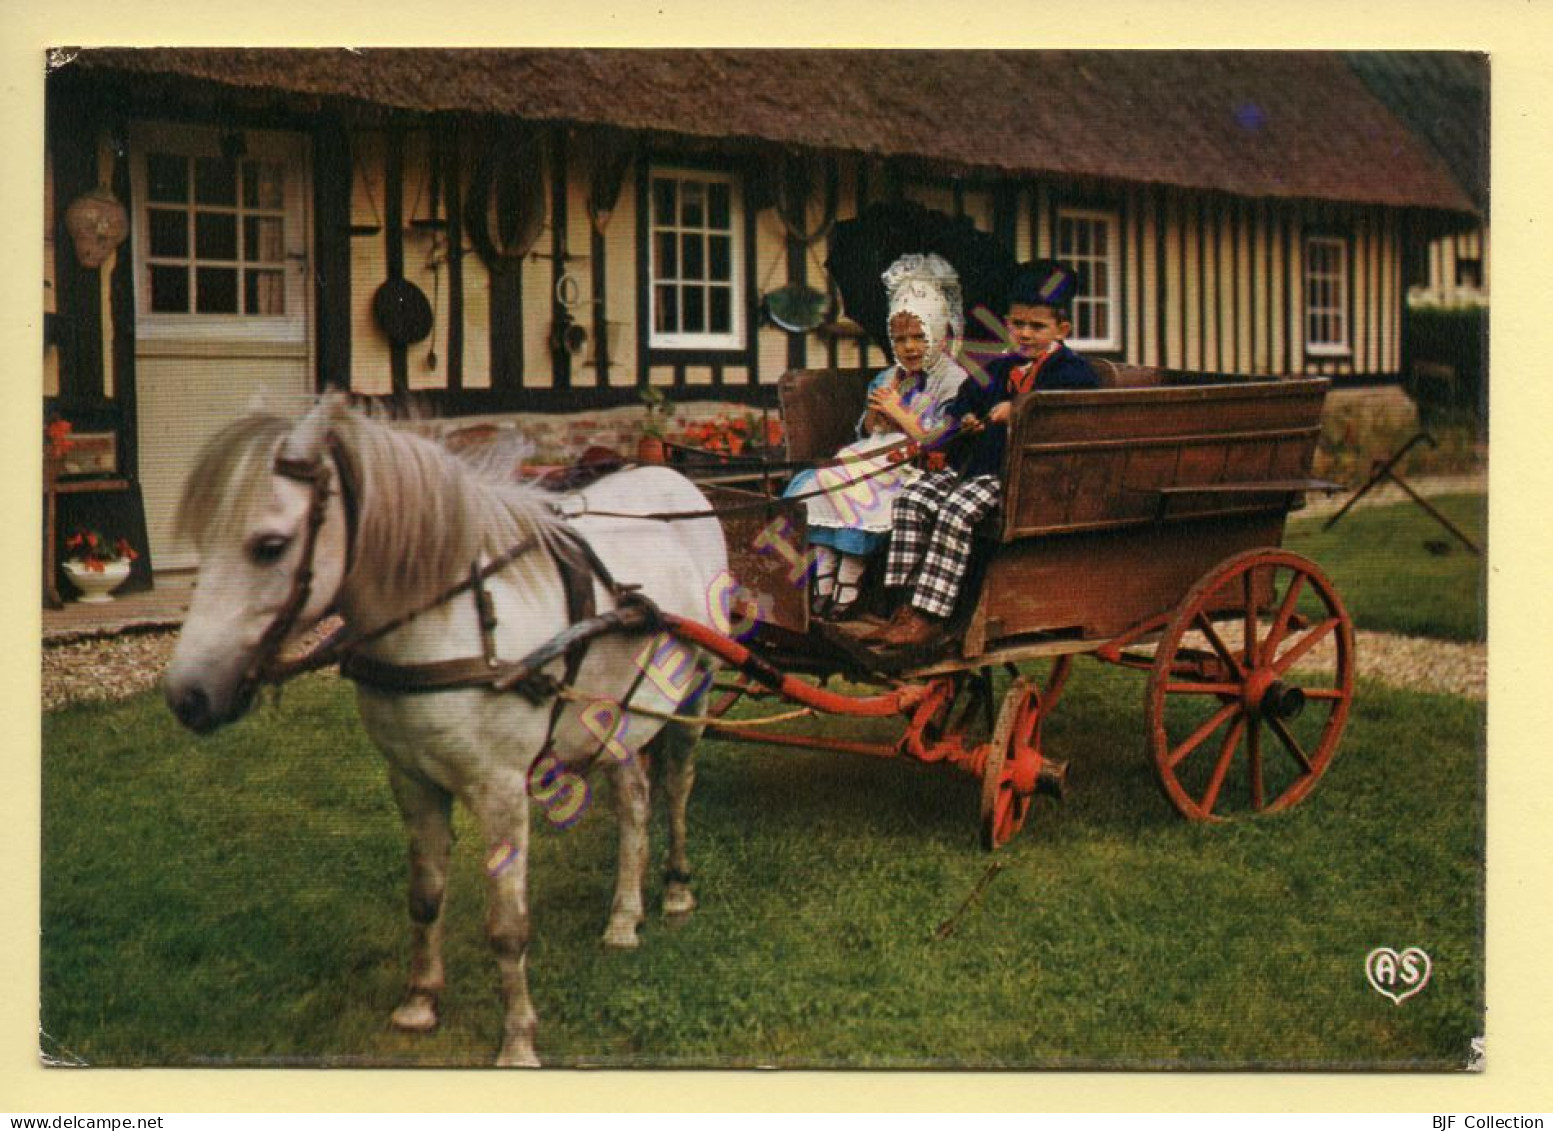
1098 283
717 206
692 208
692 261
666 310
215 235
262 240
215 180
1100 234
216 290
262 185
663 203
720 249
169 232
721 321
170 290
694 301
167 178
264 292
1102 323
667 266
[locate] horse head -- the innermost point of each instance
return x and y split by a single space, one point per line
267 507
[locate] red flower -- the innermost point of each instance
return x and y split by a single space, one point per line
93 551
57 433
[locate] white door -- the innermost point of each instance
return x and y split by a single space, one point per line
222 296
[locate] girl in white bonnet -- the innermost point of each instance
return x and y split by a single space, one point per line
852 520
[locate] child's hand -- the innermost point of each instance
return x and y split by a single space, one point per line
886 400
970 424
1001 412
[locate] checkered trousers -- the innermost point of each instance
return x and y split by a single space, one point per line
930 537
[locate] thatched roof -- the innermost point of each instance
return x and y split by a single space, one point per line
1443 97
1259 124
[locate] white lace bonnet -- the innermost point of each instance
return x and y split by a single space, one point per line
927 286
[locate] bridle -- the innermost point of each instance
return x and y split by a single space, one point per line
315 473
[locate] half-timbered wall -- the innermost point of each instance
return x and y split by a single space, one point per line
1194 281
1457 271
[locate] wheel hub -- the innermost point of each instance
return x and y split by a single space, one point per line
1268 697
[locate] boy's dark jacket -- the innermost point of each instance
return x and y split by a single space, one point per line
983 455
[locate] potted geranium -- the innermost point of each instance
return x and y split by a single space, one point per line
97 566
649 448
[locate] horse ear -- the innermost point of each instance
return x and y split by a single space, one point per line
306 440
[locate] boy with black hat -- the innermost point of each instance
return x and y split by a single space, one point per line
932 521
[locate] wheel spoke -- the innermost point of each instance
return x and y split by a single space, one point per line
1220 771
1315 636
1206 626
1200 735
1204 688
1290 742
1324 693
1254 755
1249 583
1281 620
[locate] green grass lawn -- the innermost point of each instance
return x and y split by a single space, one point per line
240 900
1389 579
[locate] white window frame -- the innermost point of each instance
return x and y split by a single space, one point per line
1335 282
290 153
1110 301
734 338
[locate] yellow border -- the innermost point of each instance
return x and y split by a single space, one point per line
1521 711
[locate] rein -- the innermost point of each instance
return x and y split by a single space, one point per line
944 441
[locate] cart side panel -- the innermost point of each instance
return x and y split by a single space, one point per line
1097 460
1096 585
820 409
765 554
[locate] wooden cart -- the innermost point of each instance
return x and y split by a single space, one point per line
1141 524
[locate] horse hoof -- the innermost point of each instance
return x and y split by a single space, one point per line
418 1015
678 902
621 936
517 1058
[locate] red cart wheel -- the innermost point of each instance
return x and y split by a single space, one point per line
1015 770
1250 687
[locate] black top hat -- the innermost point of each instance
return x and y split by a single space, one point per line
1043 282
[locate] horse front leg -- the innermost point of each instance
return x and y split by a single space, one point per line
427 812
503 817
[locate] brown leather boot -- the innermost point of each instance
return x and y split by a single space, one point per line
916 629
877 634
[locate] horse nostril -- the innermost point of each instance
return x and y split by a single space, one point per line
193 709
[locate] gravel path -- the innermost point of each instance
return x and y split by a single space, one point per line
116 667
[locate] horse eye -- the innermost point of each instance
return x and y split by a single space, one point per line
268 549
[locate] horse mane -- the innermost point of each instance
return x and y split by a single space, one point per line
423 515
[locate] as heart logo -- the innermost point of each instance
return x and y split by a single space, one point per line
1397 976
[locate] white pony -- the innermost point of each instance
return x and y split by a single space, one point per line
400 519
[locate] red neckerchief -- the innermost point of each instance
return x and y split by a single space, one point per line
1023 382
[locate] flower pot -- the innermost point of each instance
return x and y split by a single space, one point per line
96 587
649 449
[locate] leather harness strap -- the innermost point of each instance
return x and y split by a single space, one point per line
577 565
